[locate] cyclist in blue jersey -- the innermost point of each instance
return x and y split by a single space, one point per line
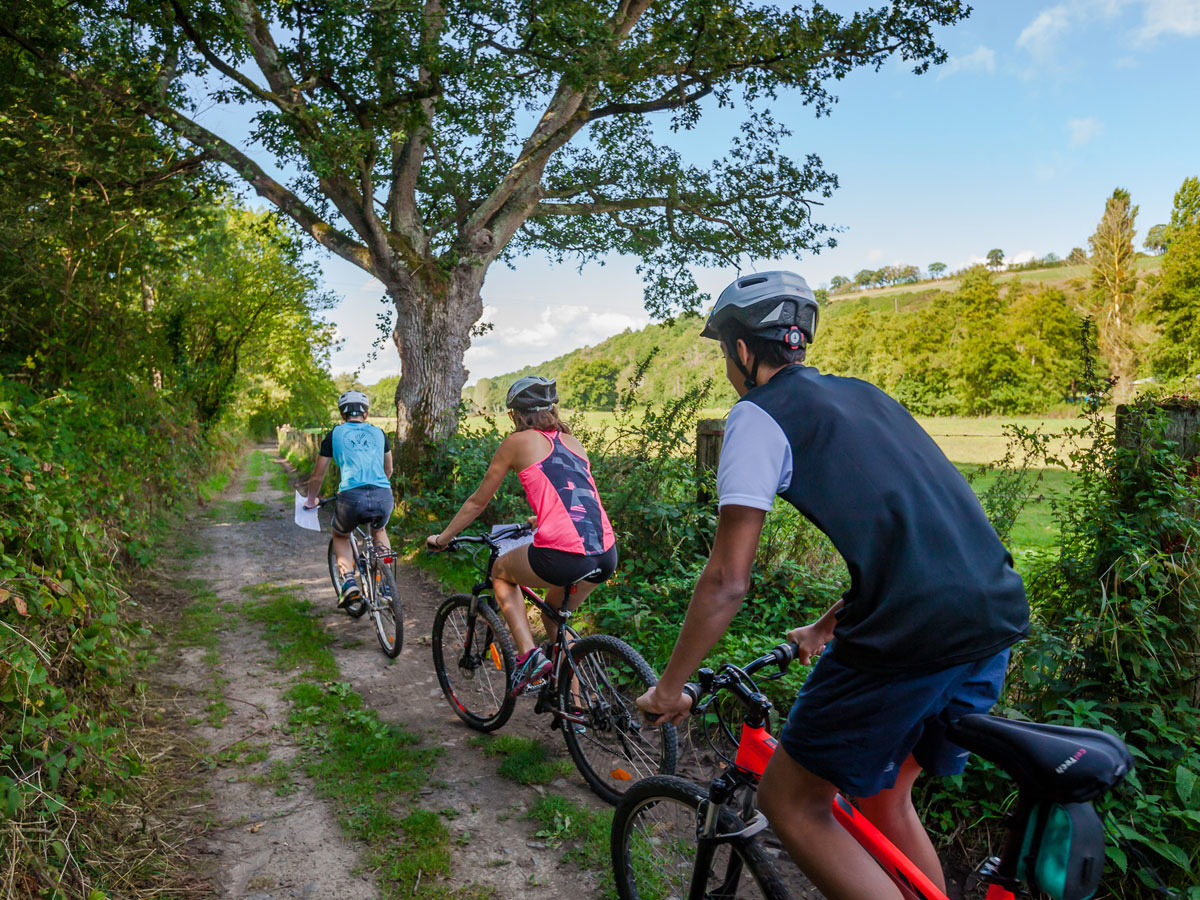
364 457
921 636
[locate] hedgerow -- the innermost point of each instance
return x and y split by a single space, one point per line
86 484
1115 643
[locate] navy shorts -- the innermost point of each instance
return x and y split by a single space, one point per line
366 505
856 728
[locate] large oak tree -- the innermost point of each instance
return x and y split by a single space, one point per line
433 137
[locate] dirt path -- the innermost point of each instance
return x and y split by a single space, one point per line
264 846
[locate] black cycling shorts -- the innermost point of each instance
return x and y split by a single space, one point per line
366 505
561 568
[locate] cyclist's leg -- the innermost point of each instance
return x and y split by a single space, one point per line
799 806
341 548
345 517
382 503
893 813
511 570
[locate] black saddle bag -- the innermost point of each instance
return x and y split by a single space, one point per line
1062 851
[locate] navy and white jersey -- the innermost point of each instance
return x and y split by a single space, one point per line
931 585
358 448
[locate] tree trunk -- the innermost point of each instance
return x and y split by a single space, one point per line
433 331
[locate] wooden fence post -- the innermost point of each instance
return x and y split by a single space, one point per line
710 434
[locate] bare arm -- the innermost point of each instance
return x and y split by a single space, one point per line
718 596
314 483
478 501
812 638
387 464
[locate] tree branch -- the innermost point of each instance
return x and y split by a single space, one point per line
409 155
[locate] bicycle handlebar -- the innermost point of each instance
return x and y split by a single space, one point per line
737 679
515 530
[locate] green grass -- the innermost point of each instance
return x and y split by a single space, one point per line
584 831
369 770
259 464
292 629
523 760
214 484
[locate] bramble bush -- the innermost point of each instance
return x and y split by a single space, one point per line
1115 643
1115 605
85 484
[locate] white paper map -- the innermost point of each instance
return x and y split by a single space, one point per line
306 518
505 546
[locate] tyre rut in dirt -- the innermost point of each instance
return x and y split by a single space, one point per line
613 747
475 675
387 611
653 843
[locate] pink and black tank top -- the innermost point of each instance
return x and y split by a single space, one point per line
564 498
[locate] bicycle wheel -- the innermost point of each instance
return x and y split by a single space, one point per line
335 576
474 659
612 746
386 610
654 848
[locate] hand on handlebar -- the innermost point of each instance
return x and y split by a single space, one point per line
432 544
660 709
810 640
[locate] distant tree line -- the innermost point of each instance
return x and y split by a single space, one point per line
982 348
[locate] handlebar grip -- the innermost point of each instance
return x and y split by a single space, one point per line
692 691
789 651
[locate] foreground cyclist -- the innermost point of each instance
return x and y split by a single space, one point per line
921 636
574 539
364 458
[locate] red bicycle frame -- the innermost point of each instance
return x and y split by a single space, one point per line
755 747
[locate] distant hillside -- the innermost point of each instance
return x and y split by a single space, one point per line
974 343
683 361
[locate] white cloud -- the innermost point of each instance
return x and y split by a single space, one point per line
1159 17
520 339
1023 256
1171 17
981 59
1040 35
1084 130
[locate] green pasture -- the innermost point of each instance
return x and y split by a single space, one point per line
1054 276
970 442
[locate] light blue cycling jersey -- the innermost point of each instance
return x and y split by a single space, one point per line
358 448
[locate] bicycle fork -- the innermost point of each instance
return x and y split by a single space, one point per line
709 836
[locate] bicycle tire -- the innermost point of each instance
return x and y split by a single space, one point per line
335 576
653 845
475 677
387 611
614 746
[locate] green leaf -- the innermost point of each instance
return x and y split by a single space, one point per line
1185 784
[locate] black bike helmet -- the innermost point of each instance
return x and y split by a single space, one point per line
532 393
353 403
777 306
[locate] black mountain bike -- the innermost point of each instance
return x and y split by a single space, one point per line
590 692
377 582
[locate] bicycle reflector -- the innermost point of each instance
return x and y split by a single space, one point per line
621 775
495 654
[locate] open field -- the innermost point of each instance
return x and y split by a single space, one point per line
1058 275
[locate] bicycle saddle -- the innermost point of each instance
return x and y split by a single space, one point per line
1054 762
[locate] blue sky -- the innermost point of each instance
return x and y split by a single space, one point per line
1042 110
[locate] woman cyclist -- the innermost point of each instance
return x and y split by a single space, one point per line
574 539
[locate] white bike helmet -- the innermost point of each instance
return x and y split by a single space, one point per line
353 403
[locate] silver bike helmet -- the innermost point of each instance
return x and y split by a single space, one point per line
777 306
532 393
353 403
